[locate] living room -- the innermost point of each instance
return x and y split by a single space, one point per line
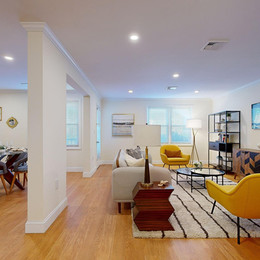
232 92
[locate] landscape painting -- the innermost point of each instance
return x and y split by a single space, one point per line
256 116
122 124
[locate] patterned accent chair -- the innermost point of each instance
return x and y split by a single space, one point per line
241 200
172 155
20 167
3 170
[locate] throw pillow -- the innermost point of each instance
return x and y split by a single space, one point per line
136 153
121 160
132 162
117 158
172 154
139 163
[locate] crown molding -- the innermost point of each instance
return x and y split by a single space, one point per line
43 27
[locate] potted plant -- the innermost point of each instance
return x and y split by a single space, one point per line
228 116
198 165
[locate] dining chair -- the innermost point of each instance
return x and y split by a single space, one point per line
20 167
3 170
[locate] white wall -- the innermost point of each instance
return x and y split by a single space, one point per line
111 144
78 159
14 104
241 99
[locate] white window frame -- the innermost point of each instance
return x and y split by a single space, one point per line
169 112
76 98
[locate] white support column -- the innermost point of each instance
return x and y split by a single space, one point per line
46 130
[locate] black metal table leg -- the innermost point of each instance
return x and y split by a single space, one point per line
191 182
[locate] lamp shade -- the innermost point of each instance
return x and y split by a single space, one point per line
147 135
194 123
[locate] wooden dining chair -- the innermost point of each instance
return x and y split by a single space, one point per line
20 167
3 170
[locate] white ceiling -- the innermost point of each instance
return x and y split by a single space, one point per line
172 33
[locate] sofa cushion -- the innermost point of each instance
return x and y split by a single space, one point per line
172 154
132 162
136 153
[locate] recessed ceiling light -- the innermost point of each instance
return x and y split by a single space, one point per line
172 88
130 91
176 75
134 37
8 58
196 91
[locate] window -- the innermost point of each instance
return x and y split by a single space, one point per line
173 123
73 112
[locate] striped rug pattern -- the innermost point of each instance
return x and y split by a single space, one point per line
192 217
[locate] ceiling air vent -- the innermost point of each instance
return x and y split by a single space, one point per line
214 45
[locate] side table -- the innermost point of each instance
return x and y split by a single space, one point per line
152 207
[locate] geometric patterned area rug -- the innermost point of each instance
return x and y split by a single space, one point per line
192 217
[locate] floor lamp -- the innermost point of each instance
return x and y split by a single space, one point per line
195 125
144 136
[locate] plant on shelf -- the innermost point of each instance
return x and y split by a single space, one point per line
228 116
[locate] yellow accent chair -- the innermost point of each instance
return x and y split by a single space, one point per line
182 160
241 200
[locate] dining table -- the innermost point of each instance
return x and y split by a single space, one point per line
10 156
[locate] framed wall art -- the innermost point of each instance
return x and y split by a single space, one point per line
0 113
255 111
122 124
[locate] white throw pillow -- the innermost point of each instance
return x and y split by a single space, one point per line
121 160
132 162
139 162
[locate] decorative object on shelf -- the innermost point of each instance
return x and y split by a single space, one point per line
195 125
122 124
12 122
227 140
258 146
218 127
223 127
0 113
147 135
255 113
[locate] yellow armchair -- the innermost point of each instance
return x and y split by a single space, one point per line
242 200
183 160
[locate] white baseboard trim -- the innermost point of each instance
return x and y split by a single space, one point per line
74 169
89 174
42 226
105 162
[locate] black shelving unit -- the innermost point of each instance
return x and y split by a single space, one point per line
223 136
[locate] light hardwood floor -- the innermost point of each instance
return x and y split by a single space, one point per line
91 228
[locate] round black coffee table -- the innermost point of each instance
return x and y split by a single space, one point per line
199 172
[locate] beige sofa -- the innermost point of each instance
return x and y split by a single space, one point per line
124 178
